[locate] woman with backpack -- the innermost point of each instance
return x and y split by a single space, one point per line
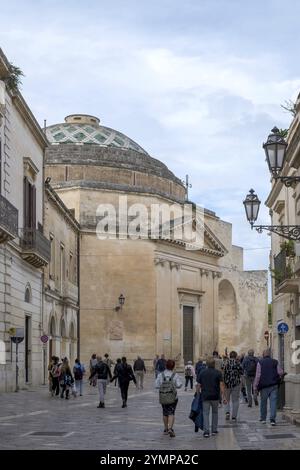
78 371
65 379
167 382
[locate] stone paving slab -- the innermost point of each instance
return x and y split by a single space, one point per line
27 414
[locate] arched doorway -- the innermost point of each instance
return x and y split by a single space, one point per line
227 317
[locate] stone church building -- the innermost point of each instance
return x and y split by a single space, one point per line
149 296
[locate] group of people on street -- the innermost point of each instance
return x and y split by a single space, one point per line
61 378
123 374
219 381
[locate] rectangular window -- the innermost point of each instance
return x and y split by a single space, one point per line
29 205
71 267
52 262
62 266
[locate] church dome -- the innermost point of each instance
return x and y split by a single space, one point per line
86 129
87 155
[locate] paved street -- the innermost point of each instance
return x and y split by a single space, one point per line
34 420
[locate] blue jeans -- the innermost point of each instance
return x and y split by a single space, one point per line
78 384
213 404
271 393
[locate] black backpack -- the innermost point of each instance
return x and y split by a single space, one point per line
251 367
78 373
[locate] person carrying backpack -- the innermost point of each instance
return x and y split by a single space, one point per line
167 382
189 373
78 371
249 368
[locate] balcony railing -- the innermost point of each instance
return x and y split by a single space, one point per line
8 220
36 249
283 274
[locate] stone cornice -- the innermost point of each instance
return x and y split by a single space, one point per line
66 213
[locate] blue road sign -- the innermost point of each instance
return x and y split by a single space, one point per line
282 328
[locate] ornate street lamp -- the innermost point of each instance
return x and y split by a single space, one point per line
252 203
121 300
275 150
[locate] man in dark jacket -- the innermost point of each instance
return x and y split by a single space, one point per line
103 373
125 374
249 367
267 378
139 369
210 384
160 365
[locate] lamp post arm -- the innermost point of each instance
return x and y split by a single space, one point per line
288 181
291 232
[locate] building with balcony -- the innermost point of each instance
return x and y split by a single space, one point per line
24 249
284 205
61 281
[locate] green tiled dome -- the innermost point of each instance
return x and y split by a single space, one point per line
84 129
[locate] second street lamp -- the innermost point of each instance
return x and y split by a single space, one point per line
252 204
275 149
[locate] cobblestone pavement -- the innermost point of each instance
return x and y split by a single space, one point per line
32 419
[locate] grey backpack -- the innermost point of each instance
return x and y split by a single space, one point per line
167 390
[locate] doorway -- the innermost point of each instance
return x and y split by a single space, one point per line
188 334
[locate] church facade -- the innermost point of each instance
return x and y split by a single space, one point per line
143 295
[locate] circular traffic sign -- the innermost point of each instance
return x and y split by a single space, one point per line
282 328
44 338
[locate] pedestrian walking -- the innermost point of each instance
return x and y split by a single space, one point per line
210 384
65 379
167 382
115 371
189 374
160 365
50 381
93 362
108 361
140 370
232 373
78 371
102 373
249 367
125 374
267 380
55 373
200 365
154 365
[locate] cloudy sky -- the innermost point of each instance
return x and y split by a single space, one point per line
197 83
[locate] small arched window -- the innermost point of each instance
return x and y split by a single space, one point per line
28 294
52 327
